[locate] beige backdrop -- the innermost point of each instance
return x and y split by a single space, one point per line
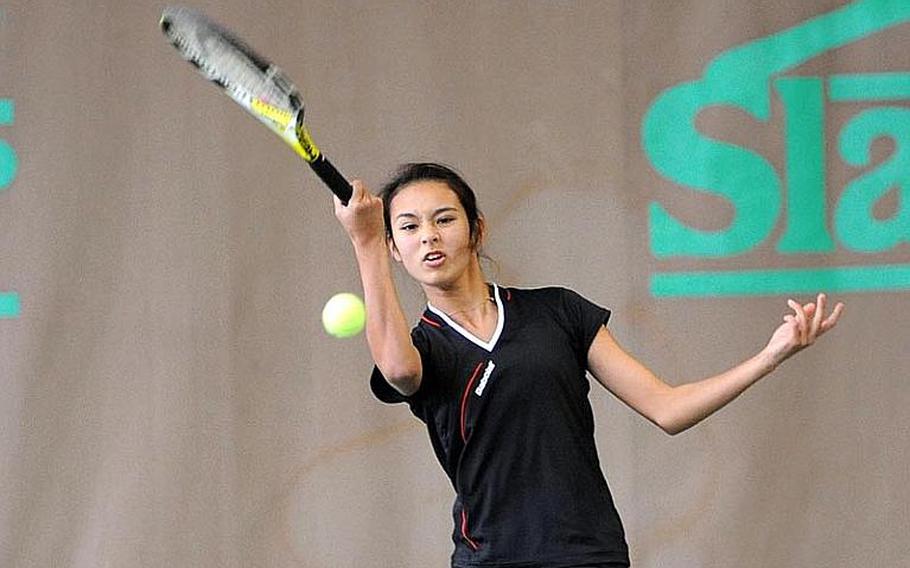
170 399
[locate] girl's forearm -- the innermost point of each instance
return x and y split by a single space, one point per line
688 404
387 329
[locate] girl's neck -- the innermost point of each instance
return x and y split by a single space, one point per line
472 307
468 293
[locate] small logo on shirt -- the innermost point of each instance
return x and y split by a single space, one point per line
486 377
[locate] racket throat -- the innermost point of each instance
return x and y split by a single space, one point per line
308 149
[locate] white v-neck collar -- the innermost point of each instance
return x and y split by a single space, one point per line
500 322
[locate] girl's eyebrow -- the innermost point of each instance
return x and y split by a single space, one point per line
435 213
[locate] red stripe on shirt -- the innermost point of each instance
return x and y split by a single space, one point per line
464 530
464 401
431 322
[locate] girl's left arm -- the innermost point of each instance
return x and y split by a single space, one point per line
677 408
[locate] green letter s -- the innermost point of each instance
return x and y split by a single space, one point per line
678 151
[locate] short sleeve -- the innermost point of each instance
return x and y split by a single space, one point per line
585 320
383 390
386 392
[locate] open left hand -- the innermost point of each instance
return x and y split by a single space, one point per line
802 327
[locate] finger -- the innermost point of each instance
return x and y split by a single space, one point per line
817 318
339 206
831 321
357 191
800 319
809 310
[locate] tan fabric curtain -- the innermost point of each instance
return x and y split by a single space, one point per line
170 399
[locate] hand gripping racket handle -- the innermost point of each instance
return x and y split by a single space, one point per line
332 178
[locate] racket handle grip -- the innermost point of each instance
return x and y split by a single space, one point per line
332 178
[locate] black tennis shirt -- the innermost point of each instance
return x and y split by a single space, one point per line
511 424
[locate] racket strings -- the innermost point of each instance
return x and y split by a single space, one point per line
228 62
251 81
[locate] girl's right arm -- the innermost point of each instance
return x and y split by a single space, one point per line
388 333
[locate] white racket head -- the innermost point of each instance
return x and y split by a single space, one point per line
248 78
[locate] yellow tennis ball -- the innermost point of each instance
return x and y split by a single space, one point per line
344 315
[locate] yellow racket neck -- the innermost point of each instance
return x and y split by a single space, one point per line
282 121
305 145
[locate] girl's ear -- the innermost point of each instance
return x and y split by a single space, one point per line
393 250
480 234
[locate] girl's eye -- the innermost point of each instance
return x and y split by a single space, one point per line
409 227
445 220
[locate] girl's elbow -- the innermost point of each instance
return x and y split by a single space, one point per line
668 414
406 384
403 378
673 429
671 425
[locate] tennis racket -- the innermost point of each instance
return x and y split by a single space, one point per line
252 82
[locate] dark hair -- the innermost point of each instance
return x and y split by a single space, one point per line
429 171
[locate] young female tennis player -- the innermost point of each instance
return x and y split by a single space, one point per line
498 376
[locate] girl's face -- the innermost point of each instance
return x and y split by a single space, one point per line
431 234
